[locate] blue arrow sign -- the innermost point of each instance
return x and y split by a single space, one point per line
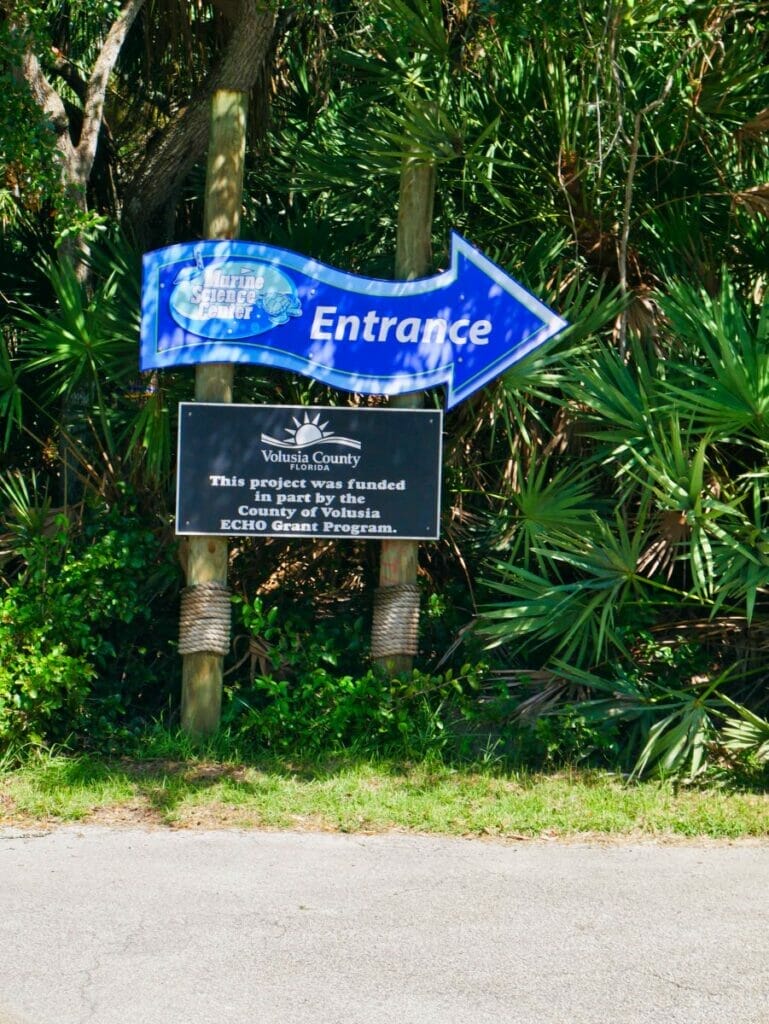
240 302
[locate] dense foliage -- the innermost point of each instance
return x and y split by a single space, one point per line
83 626
605 531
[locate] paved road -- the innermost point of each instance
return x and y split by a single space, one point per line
102 926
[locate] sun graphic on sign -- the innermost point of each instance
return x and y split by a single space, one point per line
308 431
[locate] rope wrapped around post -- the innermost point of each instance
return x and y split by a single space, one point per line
395 629
204 619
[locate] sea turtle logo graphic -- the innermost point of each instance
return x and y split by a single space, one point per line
279 306
308 432
233 298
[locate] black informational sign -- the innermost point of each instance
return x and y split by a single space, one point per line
308 472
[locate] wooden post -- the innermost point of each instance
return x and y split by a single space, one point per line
413 258
202 671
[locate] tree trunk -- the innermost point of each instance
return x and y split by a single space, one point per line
77 157
154 187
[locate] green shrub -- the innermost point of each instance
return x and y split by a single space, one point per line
317 693
74 657
571 737
41 685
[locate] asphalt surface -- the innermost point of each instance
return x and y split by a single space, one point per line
101 926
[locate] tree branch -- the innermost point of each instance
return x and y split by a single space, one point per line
77 160
96 90
49 101
183 142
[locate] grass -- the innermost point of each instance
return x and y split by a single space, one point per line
351 794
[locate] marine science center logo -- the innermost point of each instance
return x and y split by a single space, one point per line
232 298
303 450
